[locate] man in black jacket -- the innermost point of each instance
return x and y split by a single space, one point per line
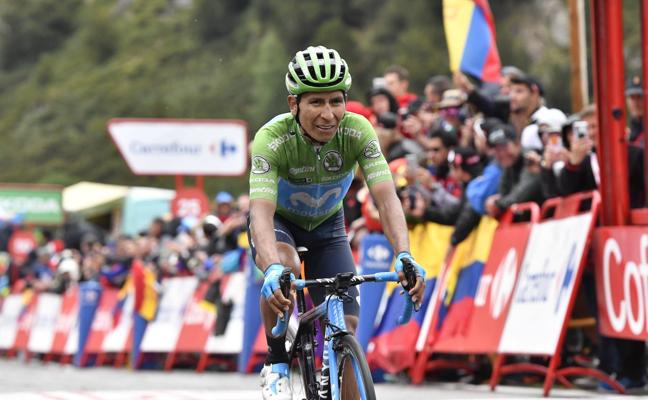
518 184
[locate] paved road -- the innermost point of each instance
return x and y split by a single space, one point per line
36 381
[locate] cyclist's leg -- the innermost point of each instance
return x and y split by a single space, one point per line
327 260
289 258
328 254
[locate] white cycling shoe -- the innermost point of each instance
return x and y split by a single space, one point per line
275 384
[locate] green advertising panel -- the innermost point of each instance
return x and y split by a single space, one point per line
37 204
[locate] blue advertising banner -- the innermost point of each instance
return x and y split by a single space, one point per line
89 296
252 315
376 255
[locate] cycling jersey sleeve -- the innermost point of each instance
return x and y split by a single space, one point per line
264 169
370 157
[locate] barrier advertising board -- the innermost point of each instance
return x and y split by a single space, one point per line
551 264
12 307
493 297
41 335
163 332
622 281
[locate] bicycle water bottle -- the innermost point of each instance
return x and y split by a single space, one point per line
323 391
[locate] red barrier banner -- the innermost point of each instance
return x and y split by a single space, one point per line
102 322
483 331
198 323
622 281
12 309
25 320
66 320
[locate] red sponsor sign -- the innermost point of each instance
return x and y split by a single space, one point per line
66 320
622 281
198 324
20 245
102 322
190 202
493 297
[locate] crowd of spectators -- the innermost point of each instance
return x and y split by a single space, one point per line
459 151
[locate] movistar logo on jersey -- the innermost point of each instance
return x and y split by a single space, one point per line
312 200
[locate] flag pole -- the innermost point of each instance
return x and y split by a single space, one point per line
578 73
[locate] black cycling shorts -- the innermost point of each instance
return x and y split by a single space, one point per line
328 253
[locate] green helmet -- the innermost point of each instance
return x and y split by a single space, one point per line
317 69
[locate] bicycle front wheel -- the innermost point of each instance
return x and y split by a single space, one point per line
353 371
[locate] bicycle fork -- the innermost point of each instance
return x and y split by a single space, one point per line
334 327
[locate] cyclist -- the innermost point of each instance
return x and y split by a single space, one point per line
303 163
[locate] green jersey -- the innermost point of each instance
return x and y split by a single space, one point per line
308 182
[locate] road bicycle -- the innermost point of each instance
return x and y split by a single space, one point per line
344 366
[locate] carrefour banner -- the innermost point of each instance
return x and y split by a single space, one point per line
480 332
622 281
38 204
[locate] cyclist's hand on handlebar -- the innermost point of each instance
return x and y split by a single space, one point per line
418 290
271 289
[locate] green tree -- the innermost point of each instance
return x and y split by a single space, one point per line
30 28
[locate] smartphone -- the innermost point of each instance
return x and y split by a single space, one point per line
554 142
412 163
378 82
580 129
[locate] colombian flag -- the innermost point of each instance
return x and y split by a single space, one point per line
462 279
393 347
470 33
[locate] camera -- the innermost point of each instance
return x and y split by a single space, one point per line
580 129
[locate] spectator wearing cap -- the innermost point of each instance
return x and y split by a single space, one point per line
450 107
465 166
518 184
635 101
224 205
397 82
492 107
545 120
555 153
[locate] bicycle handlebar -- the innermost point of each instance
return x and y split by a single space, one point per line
409 270
282 322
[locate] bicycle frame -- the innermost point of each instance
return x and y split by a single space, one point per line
333 309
